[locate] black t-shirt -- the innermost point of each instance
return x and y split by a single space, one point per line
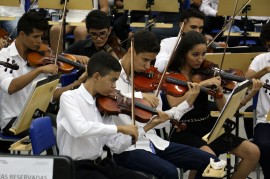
82 47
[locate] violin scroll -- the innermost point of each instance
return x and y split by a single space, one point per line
12 66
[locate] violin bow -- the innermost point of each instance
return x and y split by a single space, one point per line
61 30
230 22
230 27
132 83
146 27
179 36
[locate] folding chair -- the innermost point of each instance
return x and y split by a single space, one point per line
42 136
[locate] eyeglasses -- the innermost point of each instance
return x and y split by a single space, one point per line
95 36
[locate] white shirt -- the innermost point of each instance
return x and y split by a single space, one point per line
74 15
82 131
166 49
143 142
263 105
12 11
11 105
209 7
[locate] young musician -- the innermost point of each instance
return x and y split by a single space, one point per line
82 131
16 85
193 19
189 56
151 154
80 32
259 69
98 27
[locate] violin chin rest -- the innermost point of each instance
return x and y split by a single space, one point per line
215 169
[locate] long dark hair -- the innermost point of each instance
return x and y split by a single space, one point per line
188 41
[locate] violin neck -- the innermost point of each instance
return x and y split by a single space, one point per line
184 83
70 62
232 77
147 108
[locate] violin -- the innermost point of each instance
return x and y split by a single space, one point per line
229 77
175 84
43 56
114 47
118 103
4 35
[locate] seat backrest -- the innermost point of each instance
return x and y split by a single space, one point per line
41 135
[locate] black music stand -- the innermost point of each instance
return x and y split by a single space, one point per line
151 5
36 103
71 4
224 124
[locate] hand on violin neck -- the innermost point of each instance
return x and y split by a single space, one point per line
156 120
131 130
193 92
82 59
151 99
216 81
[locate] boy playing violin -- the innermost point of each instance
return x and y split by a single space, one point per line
151 154
15 86
81 130
98 27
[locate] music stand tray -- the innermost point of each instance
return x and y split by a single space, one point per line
15 3
38 99
159 5
228 111
72 4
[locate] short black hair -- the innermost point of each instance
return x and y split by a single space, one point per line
32 20
97 19
103 63
265 33
191 13
145 41
188 41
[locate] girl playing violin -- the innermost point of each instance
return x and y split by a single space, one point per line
152 154
190 55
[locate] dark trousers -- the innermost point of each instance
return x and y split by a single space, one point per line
164 163
262 140
105 169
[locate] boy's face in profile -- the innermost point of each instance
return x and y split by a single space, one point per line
105 85
33 40
142 60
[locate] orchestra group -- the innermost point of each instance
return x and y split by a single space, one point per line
112 55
